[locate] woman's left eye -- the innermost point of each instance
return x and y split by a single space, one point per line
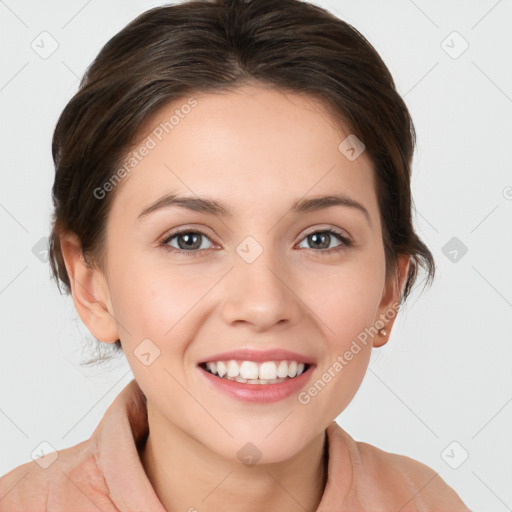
190 241
323 237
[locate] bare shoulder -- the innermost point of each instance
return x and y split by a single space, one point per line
420 485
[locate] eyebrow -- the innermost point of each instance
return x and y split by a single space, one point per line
212 207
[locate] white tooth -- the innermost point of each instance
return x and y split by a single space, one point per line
212 367
292 369
249 370
300 368
268 370
240 379
221 368
233 369
282 369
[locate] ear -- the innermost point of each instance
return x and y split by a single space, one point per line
90 291
388 308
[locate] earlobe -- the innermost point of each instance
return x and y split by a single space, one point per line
89 290
388 308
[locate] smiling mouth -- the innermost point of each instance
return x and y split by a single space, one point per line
250 372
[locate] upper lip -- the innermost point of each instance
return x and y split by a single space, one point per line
259 356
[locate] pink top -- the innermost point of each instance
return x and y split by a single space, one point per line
105 473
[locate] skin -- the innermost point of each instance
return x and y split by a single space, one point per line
256 150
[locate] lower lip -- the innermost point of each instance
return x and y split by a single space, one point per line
260 393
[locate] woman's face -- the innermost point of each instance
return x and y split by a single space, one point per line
260 276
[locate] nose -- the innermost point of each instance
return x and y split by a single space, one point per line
261 294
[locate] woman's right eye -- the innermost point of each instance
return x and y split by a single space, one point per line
187 241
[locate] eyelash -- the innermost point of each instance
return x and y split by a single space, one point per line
346 242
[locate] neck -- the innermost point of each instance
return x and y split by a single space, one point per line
188 476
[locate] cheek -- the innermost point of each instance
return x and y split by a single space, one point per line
345 310
347 301
348 313
155 301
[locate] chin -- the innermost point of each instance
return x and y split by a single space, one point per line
255 446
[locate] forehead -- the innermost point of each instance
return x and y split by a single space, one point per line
254 147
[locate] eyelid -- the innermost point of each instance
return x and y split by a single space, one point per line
183 229
339 231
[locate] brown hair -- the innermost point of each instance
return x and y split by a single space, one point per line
204 46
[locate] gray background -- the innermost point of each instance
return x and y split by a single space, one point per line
441 388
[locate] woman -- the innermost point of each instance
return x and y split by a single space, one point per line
210 148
